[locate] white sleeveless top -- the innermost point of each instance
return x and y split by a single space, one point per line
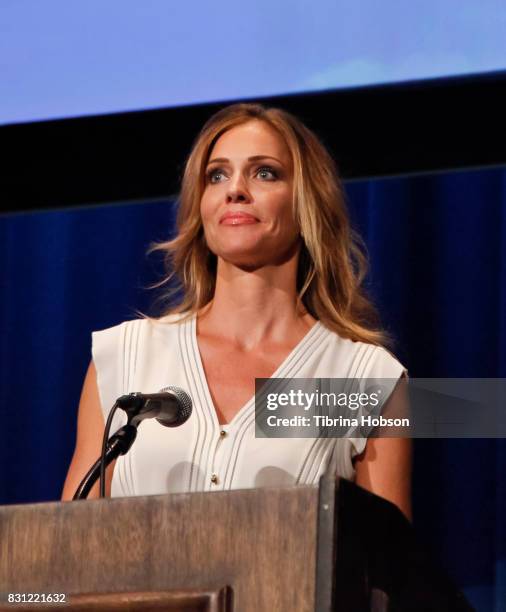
202 455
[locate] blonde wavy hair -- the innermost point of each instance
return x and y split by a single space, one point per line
332 262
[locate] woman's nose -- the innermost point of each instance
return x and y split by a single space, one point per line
238 191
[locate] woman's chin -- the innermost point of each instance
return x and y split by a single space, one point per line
256 256
247 260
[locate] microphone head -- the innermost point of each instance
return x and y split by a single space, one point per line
185 407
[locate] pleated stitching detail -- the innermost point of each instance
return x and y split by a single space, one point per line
288 370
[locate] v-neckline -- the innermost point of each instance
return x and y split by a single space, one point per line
251 401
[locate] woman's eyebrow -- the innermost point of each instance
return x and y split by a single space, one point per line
223 160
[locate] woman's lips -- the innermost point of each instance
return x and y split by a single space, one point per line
238 219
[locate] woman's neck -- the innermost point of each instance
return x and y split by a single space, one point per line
253 307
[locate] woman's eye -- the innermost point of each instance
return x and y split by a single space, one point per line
215 176
267 173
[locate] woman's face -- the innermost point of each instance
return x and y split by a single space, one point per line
246 206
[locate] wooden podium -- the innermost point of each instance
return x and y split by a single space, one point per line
256 550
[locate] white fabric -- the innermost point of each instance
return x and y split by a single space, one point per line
145 355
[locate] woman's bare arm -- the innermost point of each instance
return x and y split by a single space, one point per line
90 428
384 468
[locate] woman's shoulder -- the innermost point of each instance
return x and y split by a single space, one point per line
364 359
144 323
143 331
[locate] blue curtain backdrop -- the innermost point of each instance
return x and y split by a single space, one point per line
437 246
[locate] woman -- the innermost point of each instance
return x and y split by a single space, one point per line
271 276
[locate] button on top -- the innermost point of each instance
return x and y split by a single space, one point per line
223 433
214 479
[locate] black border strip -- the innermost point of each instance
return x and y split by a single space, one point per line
421 126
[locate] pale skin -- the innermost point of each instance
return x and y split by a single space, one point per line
253 322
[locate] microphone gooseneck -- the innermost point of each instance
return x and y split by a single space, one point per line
171 407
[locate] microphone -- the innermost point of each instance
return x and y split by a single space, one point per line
171 406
